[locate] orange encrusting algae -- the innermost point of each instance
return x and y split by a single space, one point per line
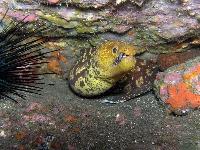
193 74
22 148
20 135
181 96
70 119
54 66
58 56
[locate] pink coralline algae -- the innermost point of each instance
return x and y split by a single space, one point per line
37 118
35 113
20 15
120 119
172 78
40 118
137 111
53 1
34 106
163 90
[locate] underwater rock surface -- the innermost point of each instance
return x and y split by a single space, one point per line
179 86
156 25
165 61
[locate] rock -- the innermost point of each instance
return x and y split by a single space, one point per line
179 86
158 25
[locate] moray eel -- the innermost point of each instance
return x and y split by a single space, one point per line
96 72
138 81
112 68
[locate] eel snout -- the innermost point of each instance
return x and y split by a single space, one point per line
119 58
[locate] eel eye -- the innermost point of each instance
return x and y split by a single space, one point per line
114 50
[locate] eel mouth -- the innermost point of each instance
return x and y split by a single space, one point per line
119 58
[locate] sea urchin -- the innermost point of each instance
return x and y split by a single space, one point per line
19 59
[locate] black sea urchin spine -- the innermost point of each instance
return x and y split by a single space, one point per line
19 56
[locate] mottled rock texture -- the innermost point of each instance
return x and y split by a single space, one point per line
155 25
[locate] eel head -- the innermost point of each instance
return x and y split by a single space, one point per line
116 58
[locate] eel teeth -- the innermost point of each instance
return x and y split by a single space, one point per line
119 58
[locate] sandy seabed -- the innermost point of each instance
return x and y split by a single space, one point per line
58 119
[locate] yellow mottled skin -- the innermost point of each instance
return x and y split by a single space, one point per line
95 73
106 57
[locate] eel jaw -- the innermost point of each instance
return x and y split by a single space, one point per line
119 58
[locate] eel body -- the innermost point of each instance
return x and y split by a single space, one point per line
112 68
138 81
